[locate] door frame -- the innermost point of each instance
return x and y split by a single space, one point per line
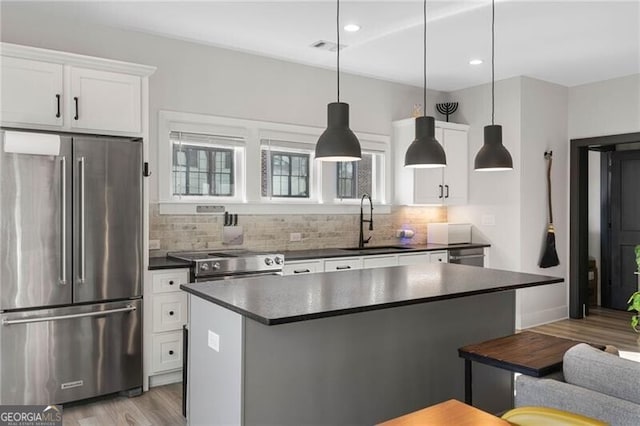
579 215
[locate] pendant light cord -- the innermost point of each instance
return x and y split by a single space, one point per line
338 47
493 65
424 59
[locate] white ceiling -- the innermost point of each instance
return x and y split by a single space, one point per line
565 42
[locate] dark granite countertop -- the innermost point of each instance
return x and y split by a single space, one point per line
166 263
274 300
339 252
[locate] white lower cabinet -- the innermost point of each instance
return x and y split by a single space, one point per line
166 351
166 311
343 264
298 267
381 261
439 256
414 259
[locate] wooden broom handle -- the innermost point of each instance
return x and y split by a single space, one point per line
547 155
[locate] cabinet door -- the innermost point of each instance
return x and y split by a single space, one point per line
439 256
343 264
428 187
31 92
456 173
303 267
413 259
106 101
379 261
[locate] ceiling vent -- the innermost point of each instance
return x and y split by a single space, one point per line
327 45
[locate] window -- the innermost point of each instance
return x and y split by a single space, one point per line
285 174
355 178
202 166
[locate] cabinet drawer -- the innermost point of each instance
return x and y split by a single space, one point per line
343 264
306 267
164 282
169 311
379 261
439 257
166 351
414 259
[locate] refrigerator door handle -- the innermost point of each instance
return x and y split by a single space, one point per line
63 221
82 247
128 308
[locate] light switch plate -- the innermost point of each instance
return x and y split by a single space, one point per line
154 244
488 220
213 341
295 236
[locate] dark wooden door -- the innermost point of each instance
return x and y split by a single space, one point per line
625 225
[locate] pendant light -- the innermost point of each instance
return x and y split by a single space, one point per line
425 151
337 142
493 156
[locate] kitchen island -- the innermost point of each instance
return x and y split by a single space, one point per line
354 347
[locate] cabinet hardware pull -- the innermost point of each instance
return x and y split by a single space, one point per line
171 282
447 194
63 221
301 271
75 99
340 268
58 103
83 246
170 312
170 352
441 192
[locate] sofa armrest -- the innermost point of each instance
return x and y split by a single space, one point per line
563 396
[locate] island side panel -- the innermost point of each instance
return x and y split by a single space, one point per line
368 367
214 376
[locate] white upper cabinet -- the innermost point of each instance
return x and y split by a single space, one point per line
51 90
103 100
31 92
440 186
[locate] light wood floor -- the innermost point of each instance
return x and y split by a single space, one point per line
163 405
603 326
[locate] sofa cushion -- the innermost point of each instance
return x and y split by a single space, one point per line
599 371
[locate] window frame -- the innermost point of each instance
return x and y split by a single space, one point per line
210 172
247 138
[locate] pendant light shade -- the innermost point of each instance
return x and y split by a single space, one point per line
493 156
425 151
338 142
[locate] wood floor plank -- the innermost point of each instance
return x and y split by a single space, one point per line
602 326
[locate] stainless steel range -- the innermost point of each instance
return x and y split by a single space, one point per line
207 265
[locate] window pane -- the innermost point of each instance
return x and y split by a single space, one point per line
289 174
354 179
202 170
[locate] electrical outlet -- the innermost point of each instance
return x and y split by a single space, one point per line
154 244
213 341
295 236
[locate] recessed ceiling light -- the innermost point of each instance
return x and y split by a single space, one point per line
352 28
475 62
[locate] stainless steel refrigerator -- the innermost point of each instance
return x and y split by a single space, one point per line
70 268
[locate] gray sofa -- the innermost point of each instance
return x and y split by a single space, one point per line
593 383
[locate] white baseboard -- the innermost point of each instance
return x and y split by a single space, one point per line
165 378
534 319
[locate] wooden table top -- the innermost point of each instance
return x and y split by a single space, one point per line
447 413
529 353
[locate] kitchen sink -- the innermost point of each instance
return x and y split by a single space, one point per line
377 248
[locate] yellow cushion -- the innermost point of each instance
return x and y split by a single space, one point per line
538 416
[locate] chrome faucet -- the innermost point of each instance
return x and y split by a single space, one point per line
362 241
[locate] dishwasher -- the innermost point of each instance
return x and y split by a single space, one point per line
467 256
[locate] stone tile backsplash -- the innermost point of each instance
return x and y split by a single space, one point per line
271 232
